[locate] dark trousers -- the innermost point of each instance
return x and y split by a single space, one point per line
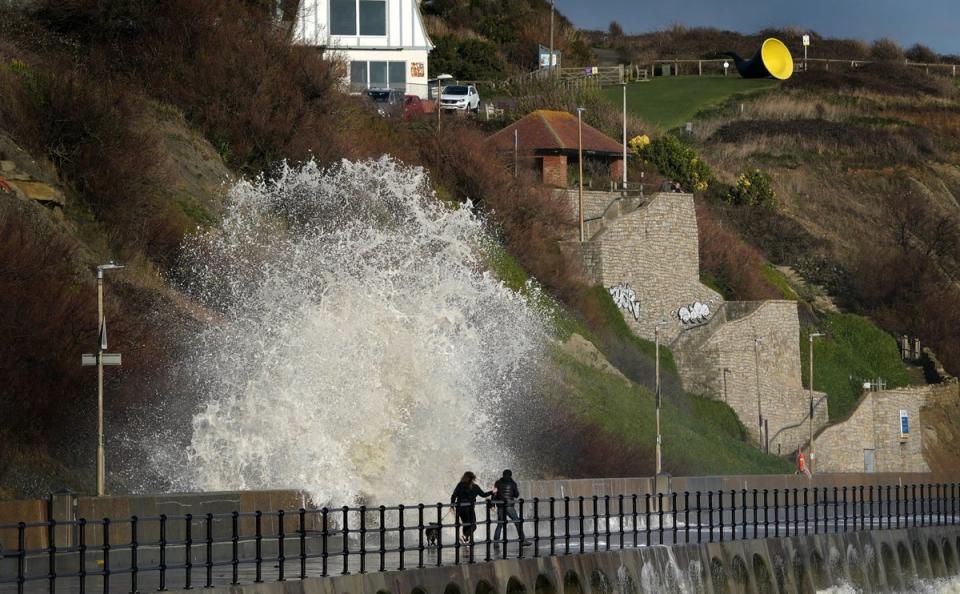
504 512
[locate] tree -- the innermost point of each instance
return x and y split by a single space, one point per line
923 54
615 31
886 50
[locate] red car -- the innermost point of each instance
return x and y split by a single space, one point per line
413 107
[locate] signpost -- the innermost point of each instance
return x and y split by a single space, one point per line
806 44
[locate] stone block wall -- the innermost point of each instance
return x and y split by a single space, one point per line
655 250
771 368
875 425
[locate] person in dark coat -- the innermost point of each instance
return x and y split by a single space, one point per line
463 500
507 494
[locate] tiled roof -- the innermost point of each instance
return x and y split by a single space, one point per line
545 130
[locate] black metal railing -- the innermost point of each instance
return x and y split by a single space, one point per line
204 550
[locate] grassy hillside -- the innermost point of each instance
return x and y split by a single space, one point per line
669 102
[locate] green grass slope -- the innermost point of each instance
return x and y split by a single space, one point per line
854 350
668 102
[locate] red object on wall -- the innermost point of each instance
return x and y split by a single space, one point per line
5 185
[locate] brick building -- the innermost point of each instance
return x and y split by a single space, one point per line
547 143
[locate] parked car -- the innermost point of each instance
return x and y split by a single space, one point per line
389 102
413 107
460 97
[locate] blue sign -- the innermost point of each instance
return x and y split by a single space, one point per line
904 423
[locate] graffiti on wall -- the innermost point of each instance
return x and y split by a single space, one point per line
693 314
626 298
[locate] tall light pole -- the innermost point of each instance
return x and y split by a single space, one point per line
550 59
757 341
656 334
812 455
102 358
580 111
624 135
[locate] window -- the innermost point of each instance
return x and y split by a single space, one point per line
378 75
343 17
368 17
373 17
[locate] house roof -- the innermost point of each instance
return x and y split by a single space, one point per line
547 131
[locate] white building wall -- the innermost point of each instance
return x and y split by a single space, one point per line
406 39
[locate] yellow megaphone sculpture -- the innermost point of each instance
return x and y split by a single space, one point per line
772 59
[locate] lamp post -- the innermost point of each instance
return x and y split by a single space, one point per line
580 111
550 58
624 135
656 334
812 454
757 341
102 359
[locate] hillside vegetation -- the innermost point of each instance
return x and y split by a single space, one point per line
137 113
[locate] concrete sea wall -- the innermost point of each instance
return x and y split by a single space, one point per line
869 561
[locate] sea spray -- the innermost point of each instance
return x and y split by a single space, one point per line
359 350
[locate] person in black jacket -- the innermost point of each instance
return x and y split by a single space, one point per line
507 495
463 500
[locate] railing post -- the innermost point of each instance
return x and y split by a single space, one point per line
709 513
836 508
673 515
647 514
258 545
209 552
324 540
686 516
553 528
580 513
536 527
382 548
870 509
606 520
896 490
776 513
22 557
235 545
363 538
845 508
796 512
596 519
889 519
281 552
81 553
489 539
440 534
766 514
660 516
420 528
163 552
806 512
743 514
52 555
862 502
303 543
187 552
755 513
401 530
134 566
913 502
566 525
720 505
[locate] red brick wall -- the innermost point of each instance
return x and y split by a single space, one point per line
616 170
555 171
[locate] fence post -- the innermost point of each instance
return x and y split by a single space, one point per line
22 557
187 552
440 534
660 516
401 529
862 502
52 555
720 505
536 527
686 516
420 527
303 543
580 513
81 553
743 514
324 535
258 545
553 530
766 514
363 538
897 492
647 514
163 552
673 512
235 544
776 513
566 525
606 520
836 507
134 567
709 513
596 520
281 554
209 552
755 512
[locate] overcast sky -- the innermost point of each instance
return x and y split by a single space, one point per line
935 23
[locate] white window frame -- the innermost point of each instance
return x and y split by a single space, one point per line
356 30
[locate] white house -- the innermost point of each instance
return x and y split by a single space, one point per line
383 42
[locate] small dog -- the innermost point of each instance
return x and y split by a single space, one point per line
432 532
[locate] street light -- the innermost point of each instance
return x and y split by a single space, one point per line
656 334
580 111
624 135
757 341
100 359
812 454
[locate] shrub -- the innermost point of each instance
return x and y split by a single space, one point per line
676 161
886 50
753 188
921 53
